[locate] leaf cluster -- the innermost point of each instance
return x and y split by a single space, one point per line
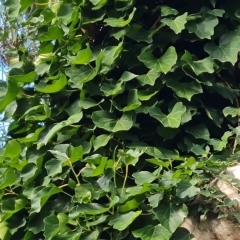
120 119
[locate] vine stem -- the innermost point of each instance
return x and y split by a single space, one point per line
125 178
74 173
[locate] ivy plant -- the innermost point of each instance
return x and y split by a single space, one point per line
121 113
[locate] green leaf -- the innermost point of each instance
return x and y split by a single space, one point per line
199 132
173 119
186 189
150 232
79 76
108 121
178 24
56 128
171 215
37 113
40 195
231 111
58 83
10 95
155 199
132 101
166 11
203 27
83 57
53 167
143 177
101 141
49 33
224 52
119 22
219 145
149 78
51 226
139 34
7 177
91 208
122 221
182 234
163 64
11 206
185 90
65 12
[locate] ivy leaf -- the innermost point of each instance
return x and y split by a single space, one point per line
182 234
132 101
198 67
186 189
155 199
163 64
171 215
108 121
224 52
143 177
185 90
219 145
71 120
119 22
101 141
65 13
51 226
7 177
199 132
10 95
231 111
204 27
150 232
149 78
40 195
173 119
139 34
166 11
53 167
58 83
178 24
83 57
122 221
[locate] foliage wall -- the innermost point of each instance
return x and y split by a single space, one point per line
122 112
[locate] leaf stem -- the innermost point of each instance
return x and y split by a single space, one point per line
74 173
125 178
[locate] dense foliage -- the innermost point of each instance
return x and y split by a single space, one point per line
121 113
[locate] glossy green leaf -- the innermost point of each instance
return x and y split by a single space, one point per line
119 22
224 52
186 189
171 216
185 90
149 78
71 120
163 64
178 24
150 232
58 83
204 27
122 221
84 56
143 177
173 119
105 120
101 141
